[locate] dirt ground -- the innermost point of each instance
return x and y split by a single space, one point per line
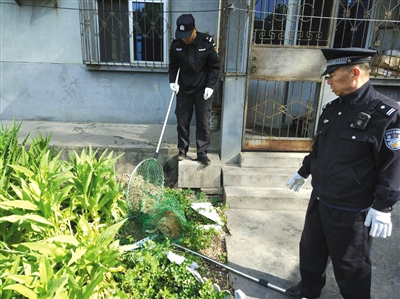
216 251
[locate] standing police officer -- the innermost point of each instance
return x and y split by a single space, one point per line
355 168
194 53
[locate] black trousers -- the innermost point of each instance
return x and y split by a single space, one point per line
185 105
339 236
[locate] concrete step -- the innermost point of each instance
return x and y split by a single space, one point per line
271 159
234 175
263 198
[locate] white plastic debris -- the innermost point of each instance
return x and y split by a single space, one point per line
194 265
178 259
175 258
239 294
216 288
134 246
217 227
207 210
227 293
195 274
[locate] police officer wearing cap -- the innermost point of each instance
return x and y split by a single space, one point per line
355 168
194 54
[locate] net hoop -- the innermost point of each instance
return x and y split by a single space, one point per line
145 183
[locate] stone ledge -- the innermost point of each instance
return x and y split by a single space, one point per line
192 174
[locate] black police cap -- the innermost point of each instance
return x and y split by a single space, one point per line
337 57
184 26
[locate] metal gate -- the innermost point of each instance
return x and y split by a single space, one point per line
284 83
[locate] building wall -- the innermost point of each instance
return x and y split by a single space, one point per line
43 77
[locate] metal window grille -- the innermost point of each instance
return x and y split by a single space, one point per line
124 32
333 23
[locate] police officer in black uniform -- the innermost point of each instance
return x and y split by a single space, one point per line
355 169
194 54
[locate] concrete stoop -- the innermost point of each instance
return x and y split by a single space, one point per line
194 175
258 182
265 198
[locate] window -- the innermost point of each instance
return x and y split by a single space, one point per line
292 22
125 32
352 27
334 23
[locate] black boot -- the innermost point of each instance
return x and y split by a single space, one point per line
296 292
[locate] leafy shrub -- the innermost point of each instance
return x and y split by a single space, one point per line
58 221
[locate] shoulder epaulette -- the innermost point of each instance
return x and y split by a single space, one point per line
330 103
208 38
385 109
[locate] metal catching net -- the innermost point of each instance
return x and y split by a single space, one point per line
145 183
159 216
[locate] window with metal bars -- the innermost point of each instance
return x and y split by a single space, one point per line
125 32
371 24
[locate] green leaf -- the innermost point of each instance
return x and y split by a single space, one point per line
21 204
80 251
56 285
23 290
91 286
34 186
50 250
14 268
108 234
45 270
27 217
22 169
65 239
23 279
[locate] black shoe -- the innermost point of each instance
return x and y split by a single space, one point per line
181 156
296 292
204 160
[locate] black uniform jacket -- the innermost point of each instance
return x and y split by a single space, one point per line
199 63
354 168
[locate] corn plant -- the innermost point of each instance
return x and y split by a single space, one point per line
10 152
57 220
34 207
96 191
62 266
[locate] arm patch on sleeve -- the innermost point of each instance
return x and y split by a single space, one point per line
392 139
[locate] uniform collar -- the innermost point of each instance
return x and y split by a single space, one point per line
361 95
196 40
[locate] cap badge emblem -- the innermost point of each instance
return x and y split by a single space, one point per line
182 28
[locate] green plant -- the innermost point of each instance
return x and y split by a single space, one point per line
195 236
61 223
10 152
58 222
149 274
96 191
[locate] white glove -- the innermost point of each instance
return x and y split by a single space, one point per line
296 182
174 87
208 93
381 223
